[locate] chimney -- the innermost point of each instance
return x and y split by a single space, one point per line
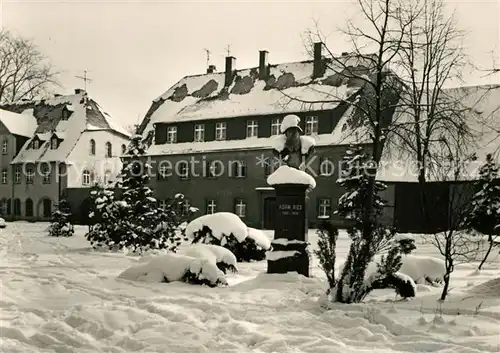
211 69
263 64
230 65
79 90
318 69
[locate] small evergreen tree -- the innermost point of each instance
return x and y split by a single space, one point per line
366 220
61 225
485 204
326 253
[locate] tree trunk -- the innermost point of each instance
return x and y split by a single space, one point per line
490 242
444 293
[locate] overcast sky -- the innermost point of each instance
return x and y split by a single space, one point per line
134 51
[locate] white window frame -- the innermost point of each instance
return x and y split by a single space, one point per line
109 149
5 176
240 208
54 143
86 177
275 126
30 174
211 206
46 175
324 208
220 131
252 128
183 175
17 175
162 204
172 134
199 133
5 146
163 171
326 167
311 125
186 205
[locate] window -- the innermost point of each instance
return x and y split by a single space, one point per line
239 169
199 133
17 175
28 206
5 146
92 148
162 204
183 170
124 148
186 206
109 150
240 208
17 207
30 174
311 125
46 173
172 134
211 206
36 144
215 169
54 143
162 171
4 176
324 208
86 178
3 207
65 114
252 128
326 167
275 126
107 177
220 131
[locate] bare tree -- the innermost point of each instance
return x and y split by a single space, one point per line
24 70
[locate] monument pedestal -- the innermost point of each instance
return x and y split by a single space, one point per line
290 242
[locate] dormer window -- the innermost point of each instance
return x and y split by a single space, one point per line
66 113
5 146
54 143
35 144
220 131
172 134
252 128
311 125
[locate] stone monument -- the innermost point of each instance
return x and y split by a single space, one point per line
291 183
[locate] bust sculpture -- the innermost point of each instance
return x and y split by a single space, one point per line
293 148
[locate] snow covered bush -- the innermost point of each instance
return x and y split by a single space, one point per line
61 225
327 243
228 230
175 267
485 213
2 223
363 205
222 257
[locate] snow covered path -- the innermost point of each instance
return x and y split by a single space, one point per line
57 296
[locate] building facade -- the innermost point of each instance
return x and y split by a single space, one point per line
74 143
213 134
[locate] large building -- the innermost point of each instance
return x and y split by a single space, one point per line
66 143
213 134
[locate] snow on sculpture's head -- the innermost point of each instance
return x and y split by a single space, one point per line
290 123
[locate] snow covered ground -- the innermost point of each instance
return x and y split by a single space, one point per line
59 296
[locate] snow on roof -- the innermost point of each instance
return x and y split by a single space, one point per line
221 224
289 175
202 97
113 125
482 106
18 124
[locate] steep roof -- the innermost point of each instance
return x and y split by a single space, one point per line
84 114
18 124
481 106
202 97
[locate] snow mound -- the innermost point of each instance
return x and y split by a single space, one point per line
221 224
219 255
289 175
306 143
490 289
278 255
2 223
420 269
259 237
175 267
278 143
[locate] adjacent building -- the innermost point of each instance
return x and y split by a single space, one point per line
71 143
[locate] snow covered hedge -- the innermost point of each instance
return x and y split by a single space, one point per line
228 230
176 268
222 257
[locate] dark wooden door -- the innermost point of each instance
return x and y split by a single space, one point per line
269 212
